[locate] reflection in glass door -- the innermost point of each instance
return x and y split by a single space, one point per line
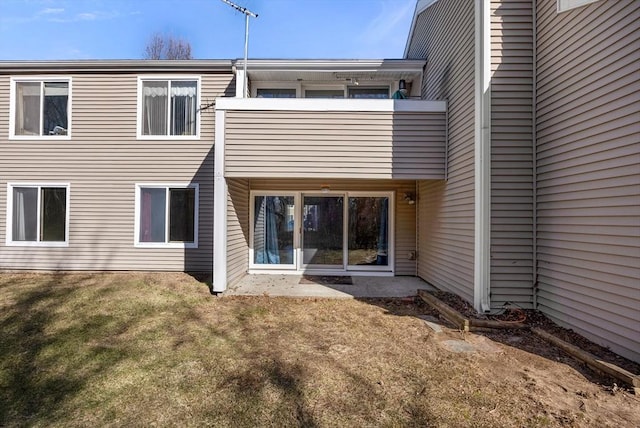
368 232
323 231
273 228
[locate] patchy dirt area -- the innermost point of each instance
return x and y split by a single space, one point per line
158 349
537 319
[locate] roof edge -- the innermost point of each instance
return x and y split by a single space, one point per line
115 65
332 64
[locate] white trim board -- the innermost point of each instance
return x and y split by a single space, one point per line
313 104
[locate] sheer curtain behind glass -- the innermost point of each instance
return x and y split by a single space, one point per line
25 213
183 108
27 120
154 107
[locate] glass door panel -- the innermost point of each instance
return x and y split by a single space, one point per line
323 231
368 231
273 228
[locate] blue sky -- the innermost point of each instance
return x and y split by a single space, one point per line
119 29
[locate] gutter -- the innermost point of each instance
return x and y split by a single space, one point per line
482 143
116 66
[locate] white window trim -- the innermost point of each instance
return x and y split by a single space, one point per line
174 78
12 107
166 244
9 225
298 266
296 226
302 87
566 5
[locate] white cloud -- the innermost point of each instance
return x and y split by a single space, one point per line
50 11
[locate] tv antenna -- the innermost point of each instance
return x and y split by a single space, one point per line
247 14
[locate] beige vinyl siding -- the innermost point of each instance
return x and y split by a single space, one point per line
588 170
511 153
444 36
314 144
237 229
405 214
102 162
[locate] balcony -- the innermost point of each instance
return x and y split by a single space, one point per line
332 138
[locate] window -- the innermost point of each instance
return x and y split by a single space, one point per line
169 107
38 214
40 108
565 5
369 93
276 93
167 215
324 93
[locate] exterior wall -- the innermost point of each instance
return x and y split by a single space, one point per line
237 229
405 214
512 153
444 35
102 162
320 144
588 173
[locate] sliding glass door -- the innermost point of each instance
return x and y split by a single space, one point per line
273 231
323 232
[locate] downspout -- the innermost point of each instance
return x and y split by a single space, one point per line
534 154
482 137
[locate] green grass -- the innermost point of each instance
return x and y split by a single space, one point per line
143 349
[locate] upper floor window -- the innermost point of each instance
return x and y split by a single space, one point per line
369 92
276 92
324 93
40 108
565 5
169 107
38 214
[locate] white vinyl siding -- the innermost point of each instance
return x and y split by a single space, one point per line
512 153
588 173
102 164
315 144
444 35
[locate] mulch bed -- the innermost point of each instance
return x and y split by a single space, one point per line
534 318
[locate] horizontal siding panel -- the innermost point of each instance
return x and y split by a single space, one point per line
512 153
102 162
588 202
334 144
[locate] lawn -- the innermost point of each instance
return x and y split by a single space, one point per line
159 350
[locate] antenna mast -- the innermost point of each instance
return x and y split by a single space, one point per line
247 14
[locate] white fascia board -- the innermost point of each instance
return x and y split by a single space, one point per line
482 152
331 65
421 5
314 104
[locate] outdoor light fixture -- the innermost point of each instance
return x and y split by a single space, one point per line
409 198
325 188
402 85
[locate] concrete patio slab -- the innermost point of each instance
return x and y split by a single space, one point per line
362 287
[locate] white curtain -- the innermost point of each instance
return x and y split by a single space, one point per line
25 200
180 97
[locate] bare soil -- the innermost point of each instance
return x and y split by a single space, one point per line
159 350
